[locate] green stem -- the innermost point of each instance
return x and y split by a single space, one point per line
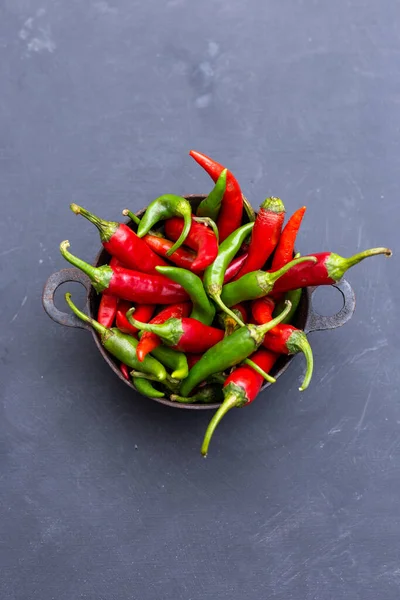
168 331
228 311
251 215
298 342
187 223
208 221
106 228
84 317
275 275
263 329
259 370
128 213
99 276
232 401
356 258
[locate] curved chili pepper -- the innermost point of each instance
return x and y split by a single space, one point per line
265 235
234 267
148 340
143 313
230 215
202 309
229 352
125 371
126 284
184 334
285 247
214 274
173 360
210 206
146 388
200 238
328 268
283 339
294 296
120 345
207 395
181 257
228 323
258 283
108 304
165 207
241 387
123 243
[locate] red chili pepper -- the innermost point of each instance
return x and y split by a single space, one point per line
230 215
241 387
234 267
283 339
128 285
192 359
285 249
328 269
125 371
123 243
108 304
181 257
143 312
184 334
149 340
200 238
265 235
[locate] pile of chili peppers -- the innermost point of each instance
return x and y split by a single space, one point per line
198 306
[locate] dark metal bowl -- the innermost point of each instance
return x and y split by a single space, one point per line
306 318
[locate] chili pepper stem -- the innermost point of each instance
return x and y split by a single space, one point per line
228 311
259 331
106 228
298 341
235 399
128 213
208 221
259 370
168 331
337 265
187 223
84 317
275 275
99 276
251 215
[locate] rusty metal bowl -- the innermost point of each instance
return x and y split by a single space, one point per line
306 318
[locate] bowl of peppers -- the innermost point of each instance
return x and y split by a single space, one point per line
198 301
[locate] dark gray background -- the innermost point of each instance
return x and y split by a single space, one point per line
104 494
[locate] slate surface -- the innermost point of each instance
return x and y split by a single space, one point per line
104 494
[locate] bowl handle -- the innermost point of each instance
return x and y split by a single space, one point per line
51 285
316 322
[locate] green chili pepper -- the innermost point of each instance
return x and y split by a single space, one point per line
165 207
229 324
229 352
209 207
203 310
214 274
145 387
121 345
294 296
207 395
173 360
257 283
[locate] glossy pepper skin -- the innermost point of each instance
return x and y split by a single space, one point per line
257 284
128 285
163 208
123 243
143 313
203 310
206 395
234 267
210 206
149 340
120 345
146 388
285 247
181 257
172 359
265 235
228 352
185 334
108 304
230 215
200 238
241 387
214 274
329 268
283 339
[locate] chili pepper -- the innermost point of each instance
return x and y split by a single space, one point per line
228 323
165 207
229 352
234 267
200 238
241 387
184 334
210 206
214 274
193 359
283 339
148 340
265 235
328 268
128 285
285 247
123 243
125 371
143 313
230 215
207 395
251 215
108 304
145 387
257 284
173 360
181 257
203 310
294 296
120 345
